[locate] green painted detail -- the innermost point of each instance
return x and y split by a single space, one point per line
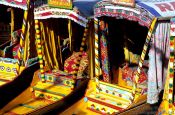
67 82
97 96
172 38
119 104
50 78
171 70
48 91
27 106
41 95
170 85
170 100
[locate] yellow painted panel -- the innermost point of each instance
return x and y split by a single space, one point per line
2 83
38 103
124 103
115 86
54 88
48 96
7 76
101 107
20 110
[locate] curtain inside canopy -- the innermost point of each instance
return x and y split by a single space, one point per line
158 61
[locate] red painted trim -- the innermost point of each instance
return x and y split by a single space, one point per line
5 80
24 2
73 16
106 104
46 14
70 15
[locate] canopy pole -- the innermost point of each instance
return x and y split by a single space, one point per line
171 69
23 33
82 48
91 50
12 20
145 48
39 49
70 35
97 62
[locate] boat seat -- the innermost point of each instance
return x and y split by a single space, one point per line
68 76
128 73
77 63
60 77
59 83
110 98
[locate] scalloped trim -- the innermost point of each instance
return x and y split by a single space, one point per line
143 17
76 17
14 5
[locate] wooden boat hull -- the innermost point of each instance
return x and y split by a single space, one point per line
39 106
13 88
80 108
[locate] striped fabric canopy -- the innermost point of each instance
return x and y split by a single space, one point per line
143 12
106 8
15 3
82 9
158 8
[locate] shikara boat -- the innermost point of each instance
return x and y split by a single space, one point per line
62 46
124 80
14 70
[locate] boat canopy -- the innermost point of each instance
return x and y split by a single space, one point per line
79 12
15 3
144 10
